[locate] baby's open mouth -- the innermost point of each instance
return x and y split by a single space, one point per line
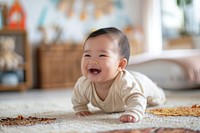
94 70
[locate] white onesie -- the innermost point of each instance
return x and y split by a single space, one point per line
130 92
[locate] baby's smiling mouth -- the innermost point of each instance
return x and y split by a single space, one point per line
94 70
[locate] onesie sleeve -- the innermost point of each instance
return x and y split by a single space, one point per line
133 98
79 96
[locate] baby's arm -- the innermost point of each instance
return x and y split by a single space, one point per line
80 100
135 104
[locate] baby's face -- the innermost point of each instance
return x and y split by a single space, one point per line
101 59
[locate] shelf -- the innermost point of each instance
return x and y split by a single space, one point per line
10 31
184 42
22 48
20 86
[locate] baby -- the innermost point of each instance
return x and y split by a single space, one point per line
106 83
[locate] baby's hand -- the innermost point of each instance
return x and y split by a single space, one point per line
83 113
127 118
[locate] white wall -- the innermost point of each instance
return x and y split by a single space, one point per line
33 9
152 26
134 9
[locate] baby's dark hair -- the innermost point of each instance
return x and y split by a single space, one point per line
123 42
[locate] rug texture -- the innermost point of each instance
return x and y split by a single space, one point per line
60 107
155 130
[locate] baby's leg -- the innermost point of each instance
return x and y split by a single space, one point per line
157 98
155 95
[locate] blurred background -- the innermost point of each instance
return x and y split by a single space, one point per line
41 41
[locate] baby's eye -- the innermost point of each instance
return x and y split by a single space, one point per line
102 55
86 55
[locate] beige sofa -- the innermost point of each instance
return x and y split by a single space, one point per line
173 69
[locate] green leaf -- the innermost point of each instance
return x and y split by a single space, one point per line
180 3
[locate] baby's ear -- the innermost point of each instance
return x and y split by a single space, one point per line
122 64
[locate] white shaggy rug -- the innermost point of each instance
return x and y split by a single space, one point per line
57 104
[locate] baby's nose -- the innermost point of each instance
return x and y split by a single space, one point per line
94 62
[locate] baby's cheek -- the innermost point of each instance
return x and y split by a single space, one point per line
83 70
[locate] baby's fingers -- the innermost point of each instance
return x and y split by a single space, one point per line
83 113
127 118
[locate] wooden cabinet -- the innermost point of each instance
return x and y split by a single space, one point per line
59 65
25 68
